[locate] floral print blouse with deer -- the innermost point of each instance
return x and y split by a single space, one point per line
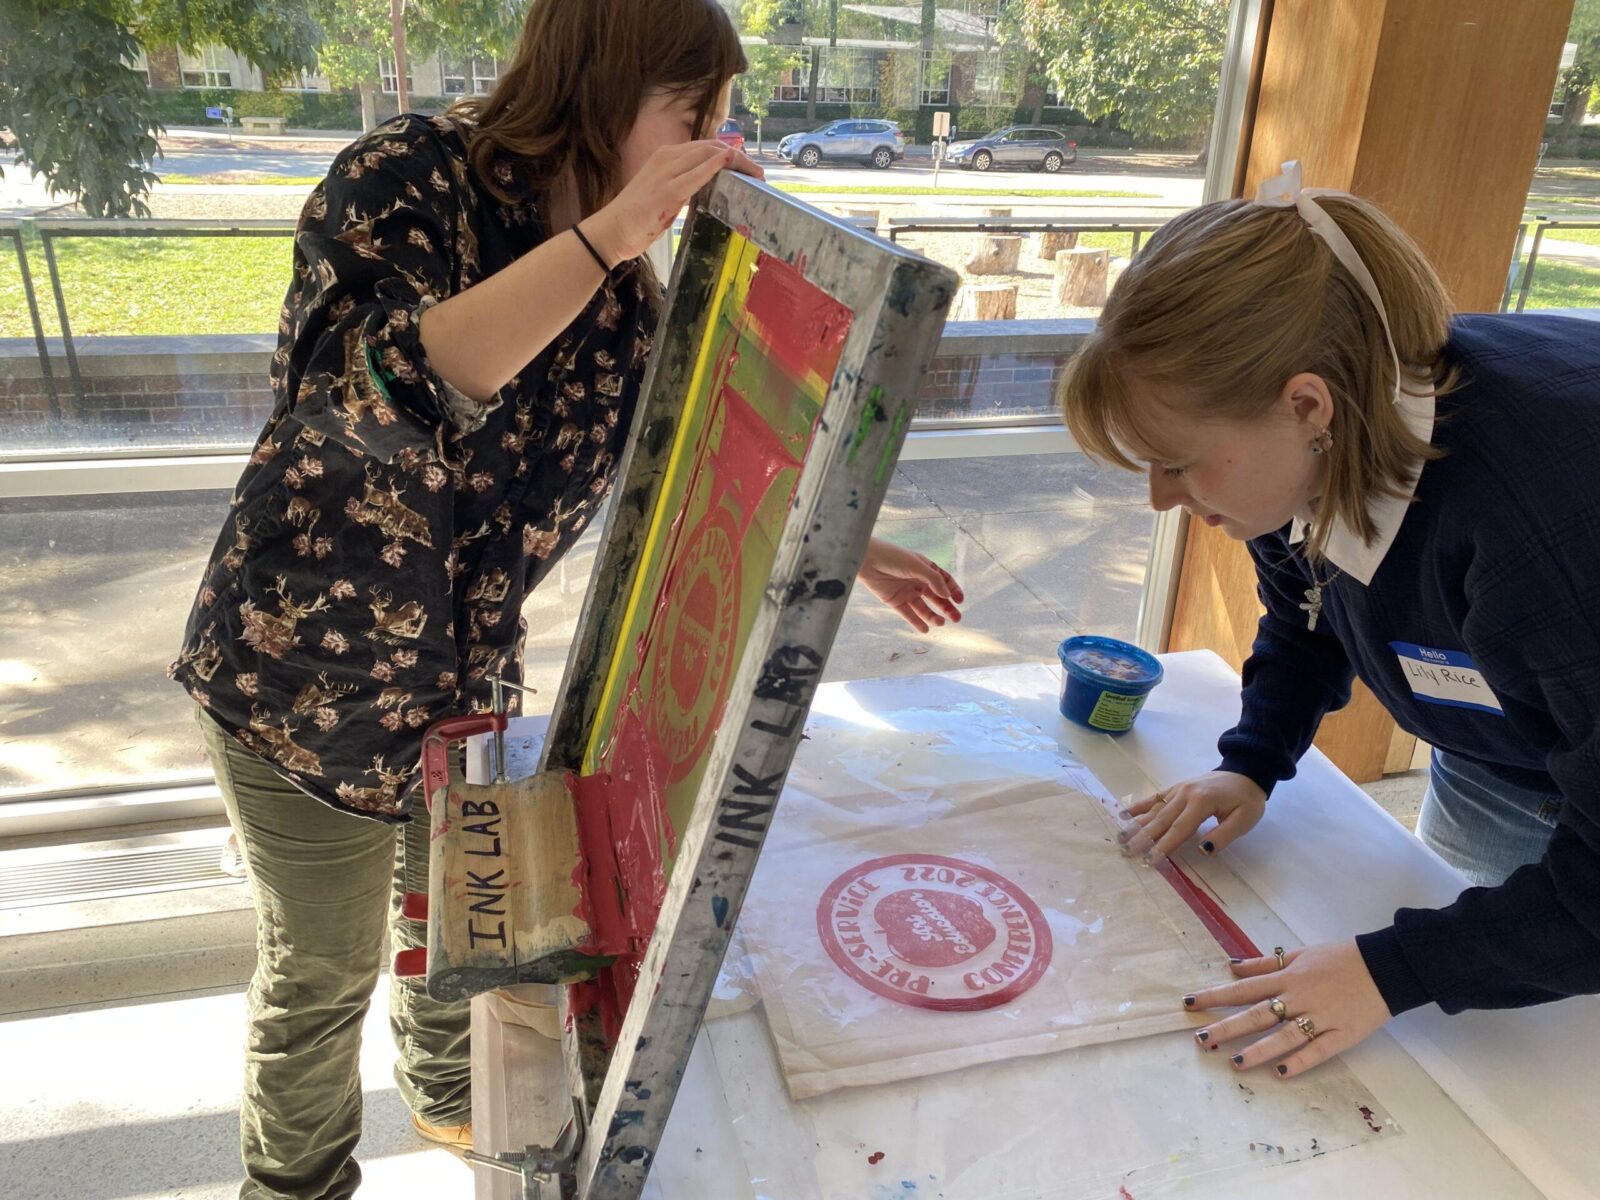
370 575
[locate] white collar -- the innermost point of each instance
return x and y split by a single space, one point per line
1344 547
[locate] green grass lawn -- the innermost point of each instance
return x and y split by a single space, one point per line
152 285
1561 285
236 285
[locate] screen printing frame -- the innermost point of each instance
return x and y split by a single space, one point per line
898 300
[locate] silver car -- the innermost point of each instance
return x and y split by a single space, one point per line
870 141
1015 146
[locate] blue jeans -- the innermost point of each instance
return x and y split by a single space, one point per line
1482 825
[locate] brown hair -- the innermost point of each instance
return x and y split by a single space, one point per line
581 71
1228 302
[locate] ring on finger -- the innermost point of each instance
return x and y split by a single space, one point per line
1279 1009
1307 1027
1277 953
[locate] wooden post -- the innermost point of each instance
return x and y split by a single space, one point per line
862 213
1052 243
1434 111
987 302
998 254
1081 275
997 212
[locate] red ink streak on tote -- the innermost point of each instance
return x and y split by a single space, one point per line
1233 940
1124 1193
1366 1115
875 1158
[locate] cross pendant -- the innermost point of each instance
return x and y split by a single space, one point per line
1312 607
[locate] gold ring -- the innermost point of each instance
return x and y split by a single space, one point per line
1277 953
1279 1009
1158 799
1306 1027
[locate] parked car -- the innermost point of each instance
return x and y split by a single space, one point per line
1015 146
731 134
880 143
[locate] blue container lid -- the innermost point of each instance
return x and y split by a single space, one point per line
1110 663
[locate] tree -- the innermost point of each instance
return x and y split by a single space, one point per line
1150 64
85 121
355 35
1577 82
768 64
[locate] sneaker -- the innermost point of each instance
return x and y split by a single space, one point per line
232 862
455 1138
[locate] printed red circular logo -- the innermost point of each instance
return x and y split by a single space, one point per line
934 932
690 675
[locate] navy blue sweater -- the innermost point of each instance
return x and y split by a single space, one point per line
1498 559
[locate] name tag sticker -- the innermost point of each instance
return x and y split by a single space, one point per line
1445 677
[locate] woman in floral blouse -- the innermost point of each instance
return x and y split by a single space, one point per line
459 356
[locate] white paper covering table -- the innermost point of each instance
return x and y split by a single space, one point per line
1496 1106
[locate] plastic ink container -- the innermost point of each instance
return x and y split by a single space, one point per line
1105 682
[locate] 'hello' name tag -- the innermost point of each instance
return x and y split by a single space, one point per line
1445 677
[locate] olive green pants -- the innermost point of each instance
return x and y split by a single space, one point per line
324 883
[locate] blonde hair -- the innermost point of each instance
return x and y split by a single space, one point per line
1229 301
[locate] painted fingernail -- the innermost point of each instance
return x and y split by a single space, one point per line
1188 1001
1282 1070
1208 847
1238 1060
1203 1036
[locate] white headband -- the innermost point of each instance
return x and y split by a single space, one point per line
1285 191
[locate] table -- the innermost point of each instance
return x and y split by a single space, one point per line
1494 1105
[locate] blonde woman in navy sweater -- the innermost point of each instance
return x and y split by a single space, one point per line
1421 496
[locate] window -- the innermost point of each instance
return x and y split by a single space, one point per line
792 85
388 77
847 75
160 431
140 65
211 68
302 82
993 79
935 77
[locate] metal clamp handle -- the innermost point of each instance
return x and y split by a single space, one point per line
436 747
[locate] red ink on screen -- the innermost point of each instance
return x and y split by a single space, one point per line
808 328
875 1157
773 360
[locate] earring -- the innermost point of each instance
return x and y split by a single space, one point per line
1323 442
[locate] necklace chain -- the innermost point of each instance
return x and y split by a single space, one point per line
1313 604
